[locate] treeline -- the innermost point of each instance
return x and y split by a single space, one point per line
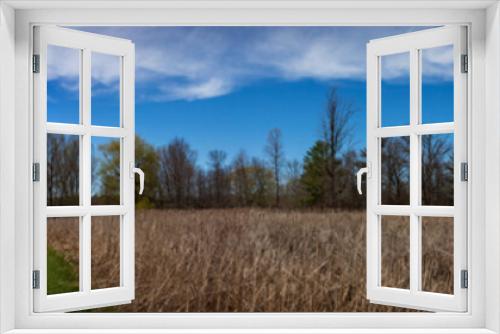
324 178
174 179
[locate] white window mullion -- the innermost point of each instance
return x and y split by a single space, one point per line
86 173
421 129
414 172
372 184
127 225
421 211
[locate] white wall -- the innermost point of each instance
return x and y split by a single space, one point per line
492 211
7 112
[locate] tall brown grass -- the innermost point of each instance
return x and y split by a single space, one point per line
257 260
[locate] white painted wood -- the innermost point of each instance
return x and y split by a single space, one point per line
86 297
246 4
79 129
492 168
419 129
469 322
407 210
414 43
415 269
78 211
7 168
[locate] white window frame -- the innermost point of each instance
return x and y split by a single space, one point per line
86 43
412 44
16 215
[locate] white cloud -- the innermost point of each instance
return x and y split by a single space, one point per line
105 69
438 63
321 54
199 90
395 67
64 64
191 63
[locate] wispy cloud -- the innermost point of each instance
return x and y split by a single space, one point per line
437 63
396 66
190 63
199 90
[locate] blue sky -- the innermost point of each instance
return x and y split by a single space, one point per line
226 87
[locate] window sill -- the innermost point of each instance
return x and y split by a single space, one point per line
253 331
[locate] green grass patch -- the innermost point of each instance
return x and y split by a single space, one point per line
62 275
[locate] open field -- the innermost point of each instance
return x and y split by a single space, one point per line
252 260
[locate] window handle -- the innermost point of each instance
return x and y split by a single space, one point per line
359 175
135 170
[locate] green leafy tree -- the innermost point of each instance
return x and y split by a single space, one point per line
240 178
261 182
146 158
108 170
107 161
315 176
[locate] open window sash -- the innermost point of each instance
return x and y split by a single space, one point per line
85 43
413 44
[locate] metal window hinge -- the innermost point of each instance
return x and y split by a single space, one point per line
36 279
464 279
36 63
465 63
464 171
36 172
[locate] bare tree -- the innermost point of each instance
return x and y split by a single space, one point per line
62 170
177 172
241 179
337 135
437 170
218 175
395 170
261 180
202 193
276 156
293 186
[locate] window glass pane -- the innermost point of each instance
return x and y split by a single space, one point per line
395 89
437 84
63 84
395 251
105 171
105 90
63 166
395 170
437 169
437 254
63 255
105 252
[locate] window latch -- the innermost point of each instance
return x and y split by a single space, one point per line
135 170
359 175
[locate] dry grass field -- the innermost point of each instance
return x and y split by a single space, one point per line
253 260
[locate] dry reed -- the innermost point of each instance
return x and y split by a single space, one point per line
255 260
